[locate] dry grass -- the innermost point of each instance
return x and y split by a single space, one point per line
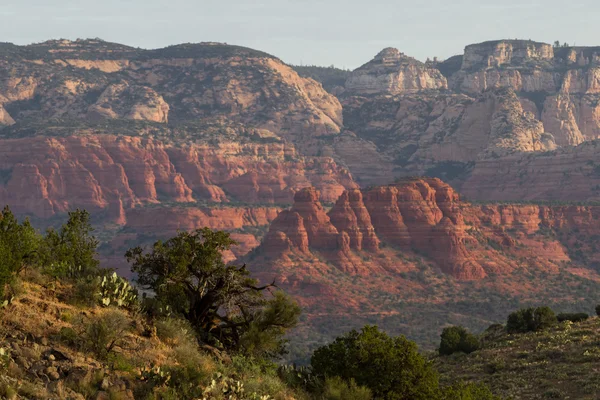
560 363
37 323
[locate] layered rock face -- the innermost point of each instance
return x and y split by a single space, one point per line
393 72
566 174
93 80
498 53
506 100
45 176
425 217
130 134
414 250
519 64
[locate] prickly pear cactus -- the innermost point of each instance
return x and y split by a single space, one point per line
4 357
155 375
117 291
6 303
228 388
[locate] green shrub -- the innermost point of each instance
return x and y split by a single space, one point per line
530 320
175 331
457 338
391 367
300 377
118 362
337 389
104 333
573 317
85 292
468 391
19 244
72 248
68 336
105 289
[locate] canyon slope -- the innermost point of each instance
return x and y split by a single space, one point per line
503 121
187 136
312 176
114 129
392 254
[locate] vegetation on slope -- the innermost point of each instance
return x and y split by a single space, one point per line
550 360
330 77
69 329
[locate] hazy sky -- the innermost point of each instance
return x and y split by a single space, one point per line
346 33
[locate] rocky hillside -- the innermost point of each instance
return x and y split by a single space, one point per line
386 254
559 363
121 131
393 72
503 100
52 347
193 135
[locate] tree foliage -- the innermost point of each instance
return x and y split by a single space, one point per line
457 338
337 389
530 320
72 246
18 247
222 302
468 391
391 367
573 317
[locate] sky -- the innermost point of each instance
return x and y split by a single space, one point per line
344 33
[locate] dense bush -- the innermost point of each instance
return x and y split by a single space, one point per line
65 253
467 391
391 367
530 320
174 331
72 247
19 245
102 334
337 389
573 317
225 306
457 338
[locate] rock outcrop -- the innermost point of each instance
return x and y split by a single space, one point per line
502 52
506 100
5 118
392 72
408 251
124 101
419 215
45 176
569 174
424 217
